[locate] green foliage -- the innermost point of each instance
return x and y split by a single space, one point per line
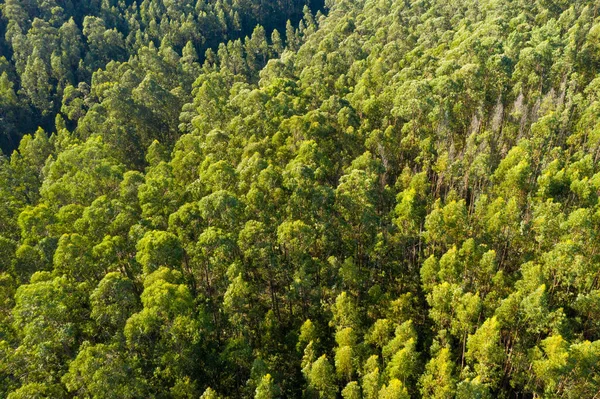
320 378
54 50
246 199
159 248
112 302
101 371
266 389
394 390
438 380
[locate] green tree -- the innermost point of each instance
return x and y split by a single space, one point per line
159 248
165 335
438 380
102 371
485 351
394 390
267 389
112 302
321 378
50 319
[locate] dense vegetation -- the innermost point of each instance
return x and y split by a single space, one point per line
50 49
388 199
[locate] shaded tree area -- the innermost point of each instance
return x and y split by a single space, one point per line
50 47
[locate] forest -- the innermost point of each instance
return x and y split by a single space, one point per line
348 199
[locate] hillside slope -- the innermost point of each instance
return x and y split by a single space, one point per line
402 203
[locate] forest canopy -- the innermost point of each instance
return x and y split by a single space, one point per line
378 199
